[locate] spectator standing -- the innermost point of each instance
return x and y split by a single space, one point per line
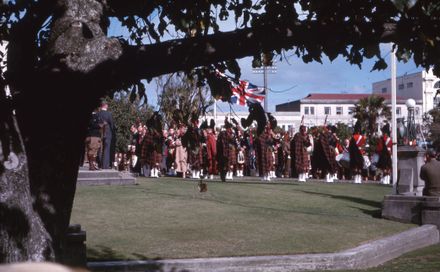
430 173
93 140
108 140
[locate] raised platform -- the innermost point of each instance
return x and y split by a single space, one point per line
364 256
104 177
412 209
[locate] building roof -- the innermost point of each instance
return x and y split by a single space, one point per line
324 98
344 96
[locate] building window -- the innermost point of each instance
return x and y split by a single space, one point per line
312 110
327 110
351 110
409 85
339 111
398 111
401 86
306 111
384 90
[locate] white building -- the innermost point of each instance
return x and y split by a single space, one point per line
420 86
316 107
289 121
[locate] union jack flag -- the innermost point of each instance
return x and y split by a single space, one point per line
244 92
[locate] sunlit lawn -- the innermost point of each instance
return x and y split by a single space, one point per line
169 218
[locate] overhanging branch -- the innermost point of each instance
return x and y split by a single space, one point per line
147 61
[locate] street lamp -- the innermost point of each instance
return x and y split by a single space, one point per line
411 124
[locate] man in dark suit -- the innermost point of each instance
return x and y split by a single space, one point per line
431 175
105 155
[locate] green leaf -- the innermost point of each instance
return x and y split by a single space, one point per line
402 4
379 65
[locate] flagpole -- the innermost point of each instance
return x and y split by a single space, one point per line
266 98
215 112
393 116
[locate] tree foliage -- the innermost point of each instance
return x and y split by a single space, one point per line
434 127
180 92
61 61
125 114
369 110
343 131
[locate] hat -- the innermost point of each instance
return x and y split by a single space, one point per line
256 113
194 117
431 153
357 127
386 129
272 121
212 124
204 125
227 123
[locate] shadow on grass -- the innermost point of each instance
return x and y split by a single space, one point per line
371 203
373 213
103 253
141 262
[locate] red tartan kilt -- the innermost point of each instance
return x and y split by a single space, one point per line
195 158
270 159
158 157
154 158
232 156
302 162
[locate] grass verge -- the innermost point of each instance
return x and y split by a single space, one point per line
169 218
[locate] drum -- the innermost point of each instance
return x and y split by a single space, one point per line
375 159
343 160
367 162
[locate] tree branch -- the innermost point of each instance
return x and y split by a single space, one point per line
147 61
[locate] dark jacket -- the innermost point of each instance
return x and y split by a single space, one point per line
109 124
95 126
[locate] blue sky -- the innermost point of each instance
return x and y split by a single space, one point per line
330 77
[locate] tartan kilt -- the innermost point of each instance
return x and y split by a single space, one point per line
269 159
385 161
301 155
195 158
302 162
153 157
158 157
232 155
265 161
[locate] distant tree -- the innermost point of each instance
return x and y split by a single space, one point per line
343 131
368 111
178 91
126 113
434 127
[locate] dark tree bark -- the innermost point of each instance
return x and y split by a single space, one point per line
23 236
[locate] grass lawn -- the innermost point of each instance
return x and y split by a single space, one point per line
169 218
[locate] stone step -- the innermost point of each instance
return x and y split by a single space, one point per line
107 181
104 177
105 173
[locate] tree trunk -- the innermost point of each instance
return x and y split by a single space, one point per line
53 106
23 236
